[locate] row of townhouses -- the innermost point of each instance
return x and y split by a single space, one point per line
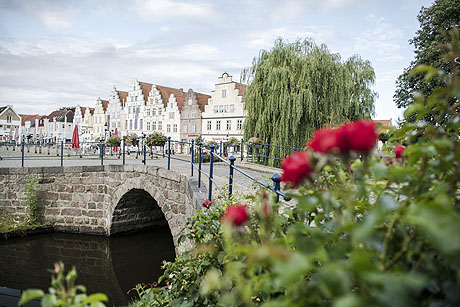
143 109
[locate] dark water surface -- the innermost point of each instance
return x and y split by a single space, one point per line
112 265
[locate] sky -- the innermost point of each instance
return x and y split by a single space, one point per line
56 53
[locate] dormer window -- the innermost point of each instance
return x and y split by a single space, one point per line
224 93
190 101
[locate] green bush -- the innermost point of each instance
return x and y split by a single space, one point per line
365 231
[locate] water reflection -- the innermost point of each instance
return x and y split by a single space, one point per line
111 265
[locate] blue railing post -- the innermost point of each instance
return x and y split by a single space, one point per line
242 144
62 153
124 147
276 178
169 152
145 153
101 144
230 178
220 148
211 162
265 154
191 163
199 166
293 148
22 152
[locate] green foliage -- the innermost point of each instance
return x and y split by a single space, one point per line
364 231
9 223
440 16
64 292
32 198
296 88
114 141
155 139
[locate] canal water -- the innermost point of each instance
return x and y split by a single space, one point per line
112 265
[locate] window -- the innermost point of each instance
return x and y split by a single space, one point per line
229 125
168 128
186 114
140 124
185 128
135 124
160 110
126 123
221 109
160 125
148 125
148 112
218 125
226 108
209 125
239 124
130 124
190 101
175 128
224 93
154 125
9 118
193 114
193 128
216 109
63 126
154 111
232 108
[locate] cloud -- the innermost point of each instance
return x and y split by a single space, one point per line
166 9
382 38
55 14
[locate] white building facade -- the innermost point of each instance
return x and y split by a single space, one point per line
224 115
115 112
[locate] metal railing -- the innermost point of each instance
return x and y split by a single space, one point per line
100 150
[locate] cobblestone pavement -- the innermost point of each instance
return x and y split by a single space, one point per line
242 184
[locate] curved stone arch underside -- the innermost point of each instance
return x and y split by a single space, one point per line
175 208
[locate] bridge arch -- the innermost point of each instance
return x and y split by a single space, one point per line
168 204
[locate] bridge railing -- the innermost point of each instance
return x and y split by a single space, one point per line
100 150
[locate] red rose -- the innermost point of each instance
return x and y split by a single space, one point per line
296 167
236 215
324 140
359 136
399 149
207 204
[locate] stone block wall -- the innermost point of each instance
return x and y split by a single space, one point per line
83 199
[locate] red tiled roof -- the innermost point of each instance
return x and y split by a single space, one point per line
165 93
105 104
83 110
202 100
25 117
382 122
241 88
123 97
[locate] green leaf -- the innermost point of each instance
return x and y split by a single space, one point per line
29 295
413 109
50 300
387 203
380 170
96 297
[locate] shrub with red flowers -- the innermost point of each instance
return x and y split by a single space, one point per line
296 168
360 232
207 204
236 215
399 150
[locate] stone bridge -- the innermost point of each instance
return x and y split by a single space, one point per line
103 200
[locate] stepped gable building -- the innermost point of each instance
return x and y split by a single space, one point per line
32 128
10 124
115 111
101 130
223 116
159 110
59 125
190 119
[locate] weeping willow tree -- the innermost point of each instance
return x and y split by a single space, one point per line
296 88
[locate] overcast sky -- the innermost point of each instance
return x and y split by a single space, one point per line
63 53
